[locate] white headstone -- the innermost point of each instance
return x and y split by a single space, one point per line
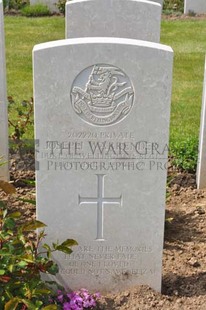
4 172
51 4
131 19
201 165
102 110
196 6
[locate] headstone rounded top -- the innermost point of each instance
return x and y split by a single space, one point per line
156 2
98 40
135 19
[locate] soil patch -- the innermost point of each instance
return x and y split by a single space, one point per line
175 16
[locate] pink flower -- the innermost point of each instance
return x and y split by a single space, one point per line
77 300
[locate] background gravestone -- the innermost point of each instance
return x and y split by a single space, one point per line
4 174
113 18
102 109
196 6
201 165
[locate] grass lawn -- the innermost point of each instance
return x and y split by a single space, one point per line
186 37
22 34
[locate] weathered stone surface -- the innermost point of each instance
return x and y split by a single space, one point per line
4 173
201 165
113 18
195 6
102 109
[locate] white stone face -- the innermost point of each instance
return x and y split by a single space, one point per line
4 174
50 3
201 166
102 110
113 18
196 6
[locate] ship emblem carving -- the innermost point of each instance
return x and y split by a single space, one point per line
102 95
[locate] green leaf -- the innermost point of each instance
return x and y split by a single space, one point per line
42 291
29 304
11 304
2 272
41 235
11 267
30 182
22 264
33 202
9 223
46 246
33 225
28 258
55 245
53 269
2 205
15 214
64 249
5 252
5 213
69 242
38 304
50 307
65 246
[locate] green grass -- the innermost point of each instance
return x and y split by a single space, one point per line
186 37
22 34
35 10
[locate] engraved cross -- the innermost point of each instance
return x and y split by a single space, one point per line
100 201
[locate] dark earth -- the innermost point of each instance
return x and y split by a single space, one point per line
184 258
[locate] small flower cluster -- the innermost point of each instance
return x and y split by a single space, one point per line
77 300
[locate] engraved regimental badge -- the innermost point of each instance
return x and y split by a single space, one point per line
102 95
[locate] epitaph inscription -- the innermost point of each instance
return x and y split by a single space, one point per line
101 201
101 259
102 95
